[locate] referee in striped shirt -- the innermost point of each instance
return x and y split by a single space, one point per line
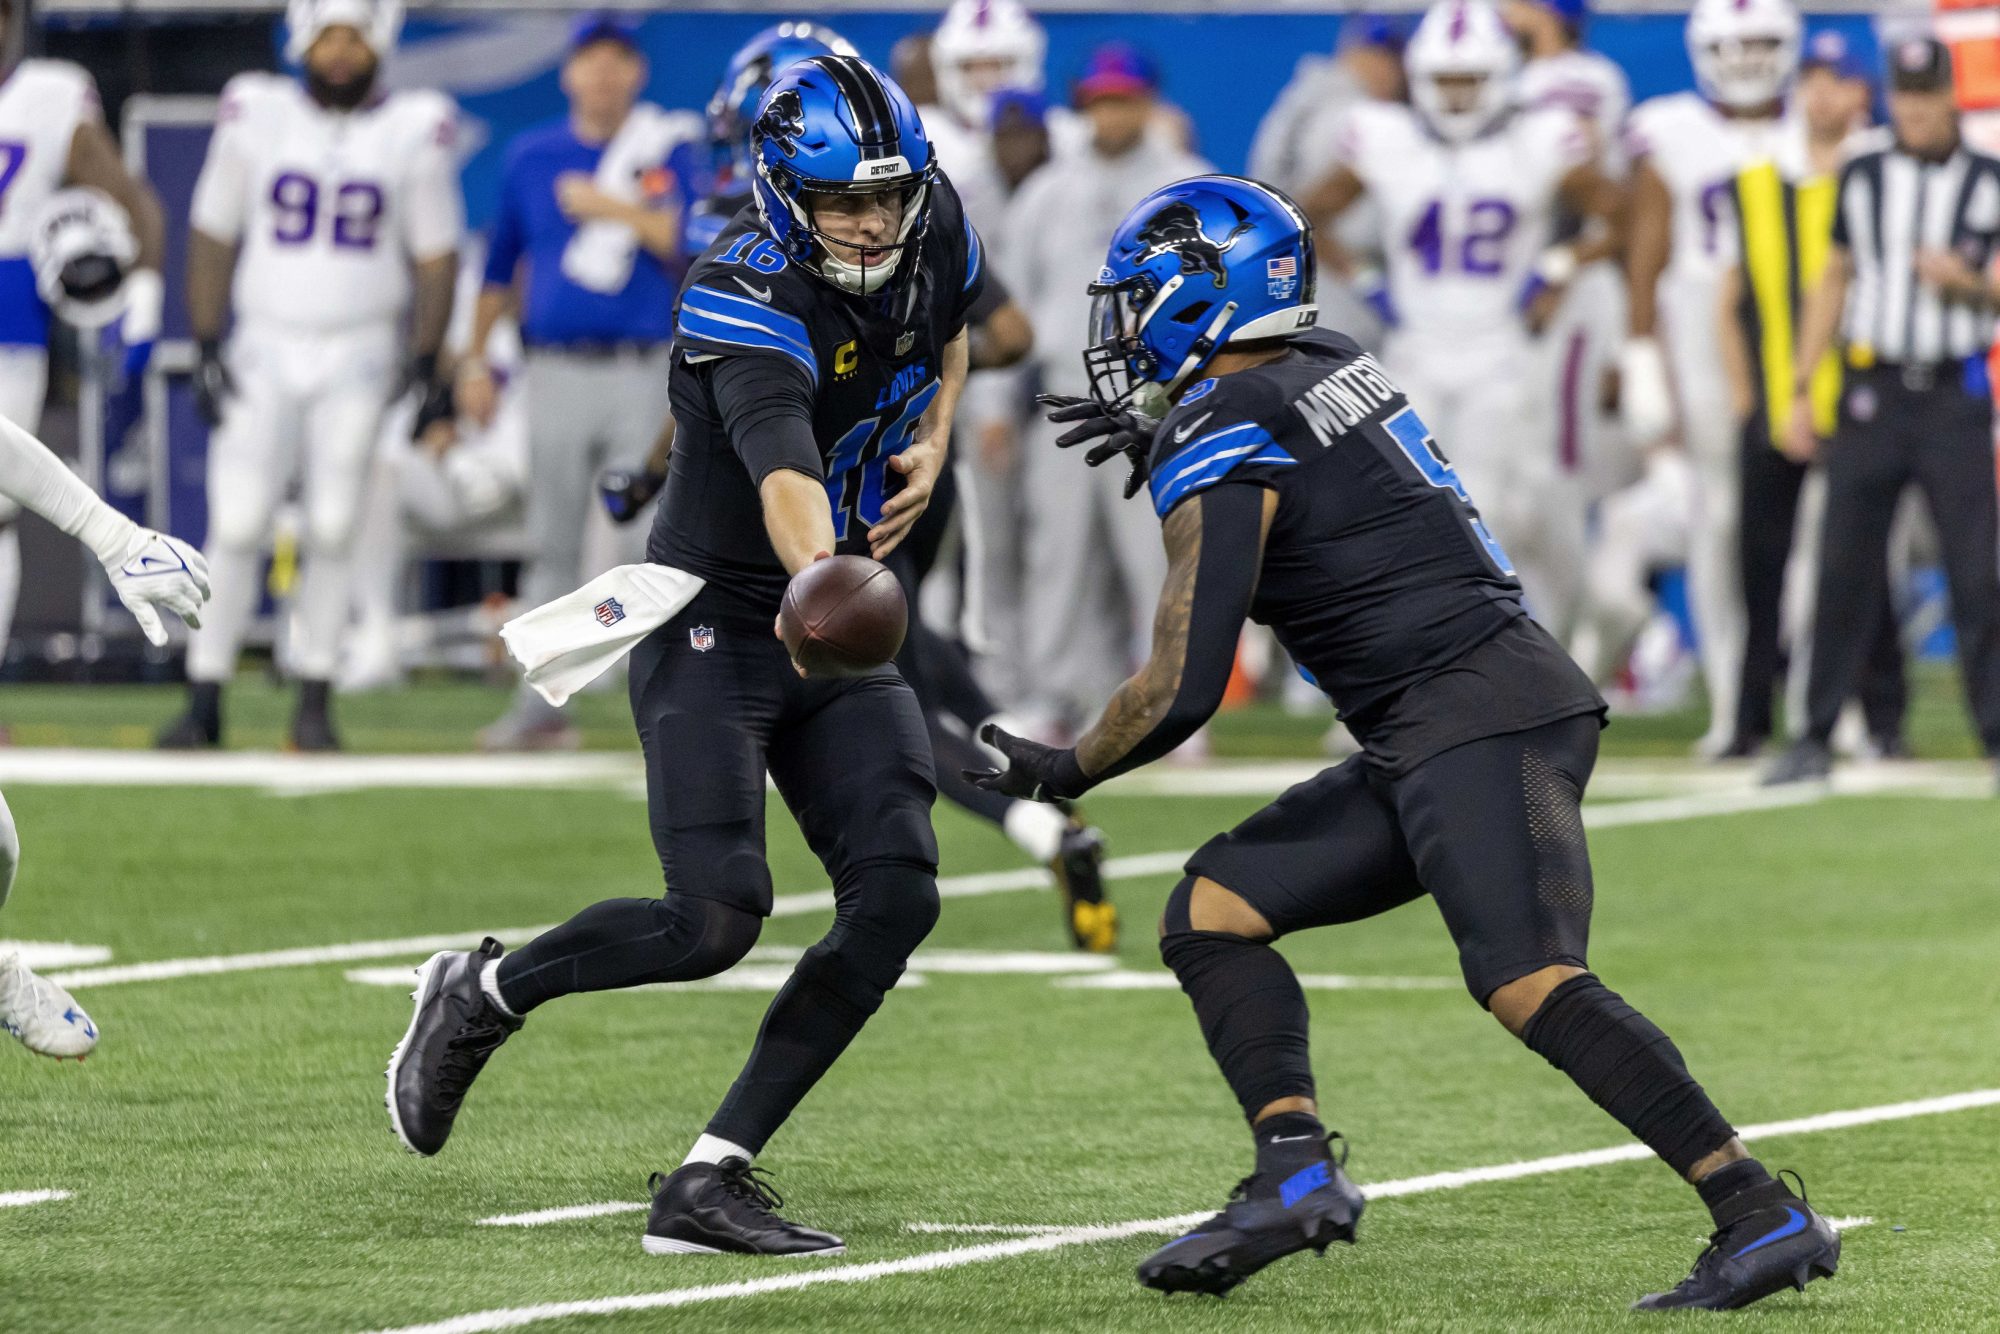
1910 292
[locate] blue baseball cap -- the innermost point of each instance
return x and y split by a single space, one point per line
604 26
1026 103
1117 69
1829 49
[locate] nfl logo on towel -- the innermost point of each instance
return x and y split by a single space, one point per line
701 638
610 612
1283 276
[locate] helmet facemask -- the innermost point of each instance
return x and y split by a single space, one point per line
1125 372
858 276
1746 72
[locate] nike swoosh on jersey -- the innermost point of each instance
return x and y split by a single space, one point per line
761 293
1181 433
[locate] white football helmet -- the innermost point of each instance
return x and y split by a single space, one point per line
1745 52
1465 42
978 32
380 21
81 247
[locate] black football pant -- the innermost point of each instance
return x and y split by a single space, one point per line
1771 487
1893 432
717 706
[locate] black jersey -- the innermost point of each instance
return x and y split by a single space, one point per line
864 368
1378 574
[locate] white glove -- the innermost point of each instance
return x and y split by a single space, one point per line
152 571
1646 400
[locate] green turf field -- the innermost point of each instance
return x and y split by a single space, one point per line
230 1166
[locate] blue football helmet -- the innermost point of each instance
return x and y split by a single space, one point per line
733 108
1196 266
835 125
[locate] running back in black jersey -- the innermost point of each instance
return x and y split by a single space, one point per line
870 365
1377 570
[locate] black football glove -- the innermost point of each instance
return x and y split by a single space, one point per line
625 491
1127 432
438 403
1034 772
213 384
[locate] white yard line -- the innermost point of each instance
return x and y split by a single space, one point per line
567 1214
1849 1224
43 955
515 1317
995 1229
15 1199
1661 810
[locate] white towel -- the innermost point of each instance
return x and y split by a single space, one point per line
566 644
600 255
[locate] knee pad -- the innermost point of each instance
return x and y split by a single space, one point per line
864 955
708 937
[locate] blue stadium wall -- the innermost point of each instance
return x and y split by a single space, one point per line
1225 69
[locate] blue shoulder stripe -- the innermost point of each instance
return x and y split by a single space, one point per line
1210 458
975 256
708 329
736 307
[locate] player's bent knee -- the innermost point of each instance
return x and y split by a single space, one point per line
1200 904
707 937
896 907
1516 1002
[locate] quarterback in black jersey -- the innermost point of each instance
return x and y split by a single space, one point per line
820 348
1299 487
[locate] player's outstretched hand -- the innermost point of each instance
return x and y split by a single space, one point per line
625 491
1034 772
1128 434
213 384
919 466
154 570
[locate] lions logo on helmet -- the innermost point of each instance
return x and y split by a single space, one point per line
1177 228
1153 327
81 246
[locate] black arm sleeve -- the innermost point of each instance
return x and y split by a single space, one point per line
1225 580
766 405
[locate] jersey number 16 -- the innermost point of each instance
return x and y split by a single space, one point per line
856 470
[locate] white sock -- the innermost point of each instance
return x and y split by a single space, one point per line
1036 828
489 982
713 1149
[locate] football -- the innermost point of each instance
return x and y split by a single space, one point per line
843 616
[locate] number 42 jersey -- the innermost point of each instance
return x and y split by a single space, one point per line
328 209
754 326
1379 577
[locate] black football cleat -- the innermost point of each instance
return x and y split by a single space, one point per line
200 728
451 1036
312 723
1777 1241
1268 1217
1088 911
726 1208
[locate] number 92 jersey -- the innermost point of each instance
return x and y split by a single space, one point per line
868 367
1462 223
1378 572
328 209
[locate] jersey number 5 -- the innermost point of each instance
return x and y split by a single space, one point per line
1414 439
856 471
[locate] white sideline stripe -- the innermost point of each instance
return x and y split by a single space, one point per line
1001 1229
46 954
952 887
1158 979
1849 1224
14 1199
479 1322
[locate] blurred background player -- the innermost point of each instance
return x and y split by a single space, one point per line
52 135
150 572
1093 564
820 348
1297 478
1469 185
327 216
1686 149
586 249
1776 246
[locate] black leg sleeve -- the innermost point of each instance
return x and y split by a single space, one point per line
1629 1068
1249 1003
627 943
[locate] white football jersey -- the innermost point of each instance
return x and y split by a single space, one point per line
329 209
1697 151
1462 223
1589 86
41 105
